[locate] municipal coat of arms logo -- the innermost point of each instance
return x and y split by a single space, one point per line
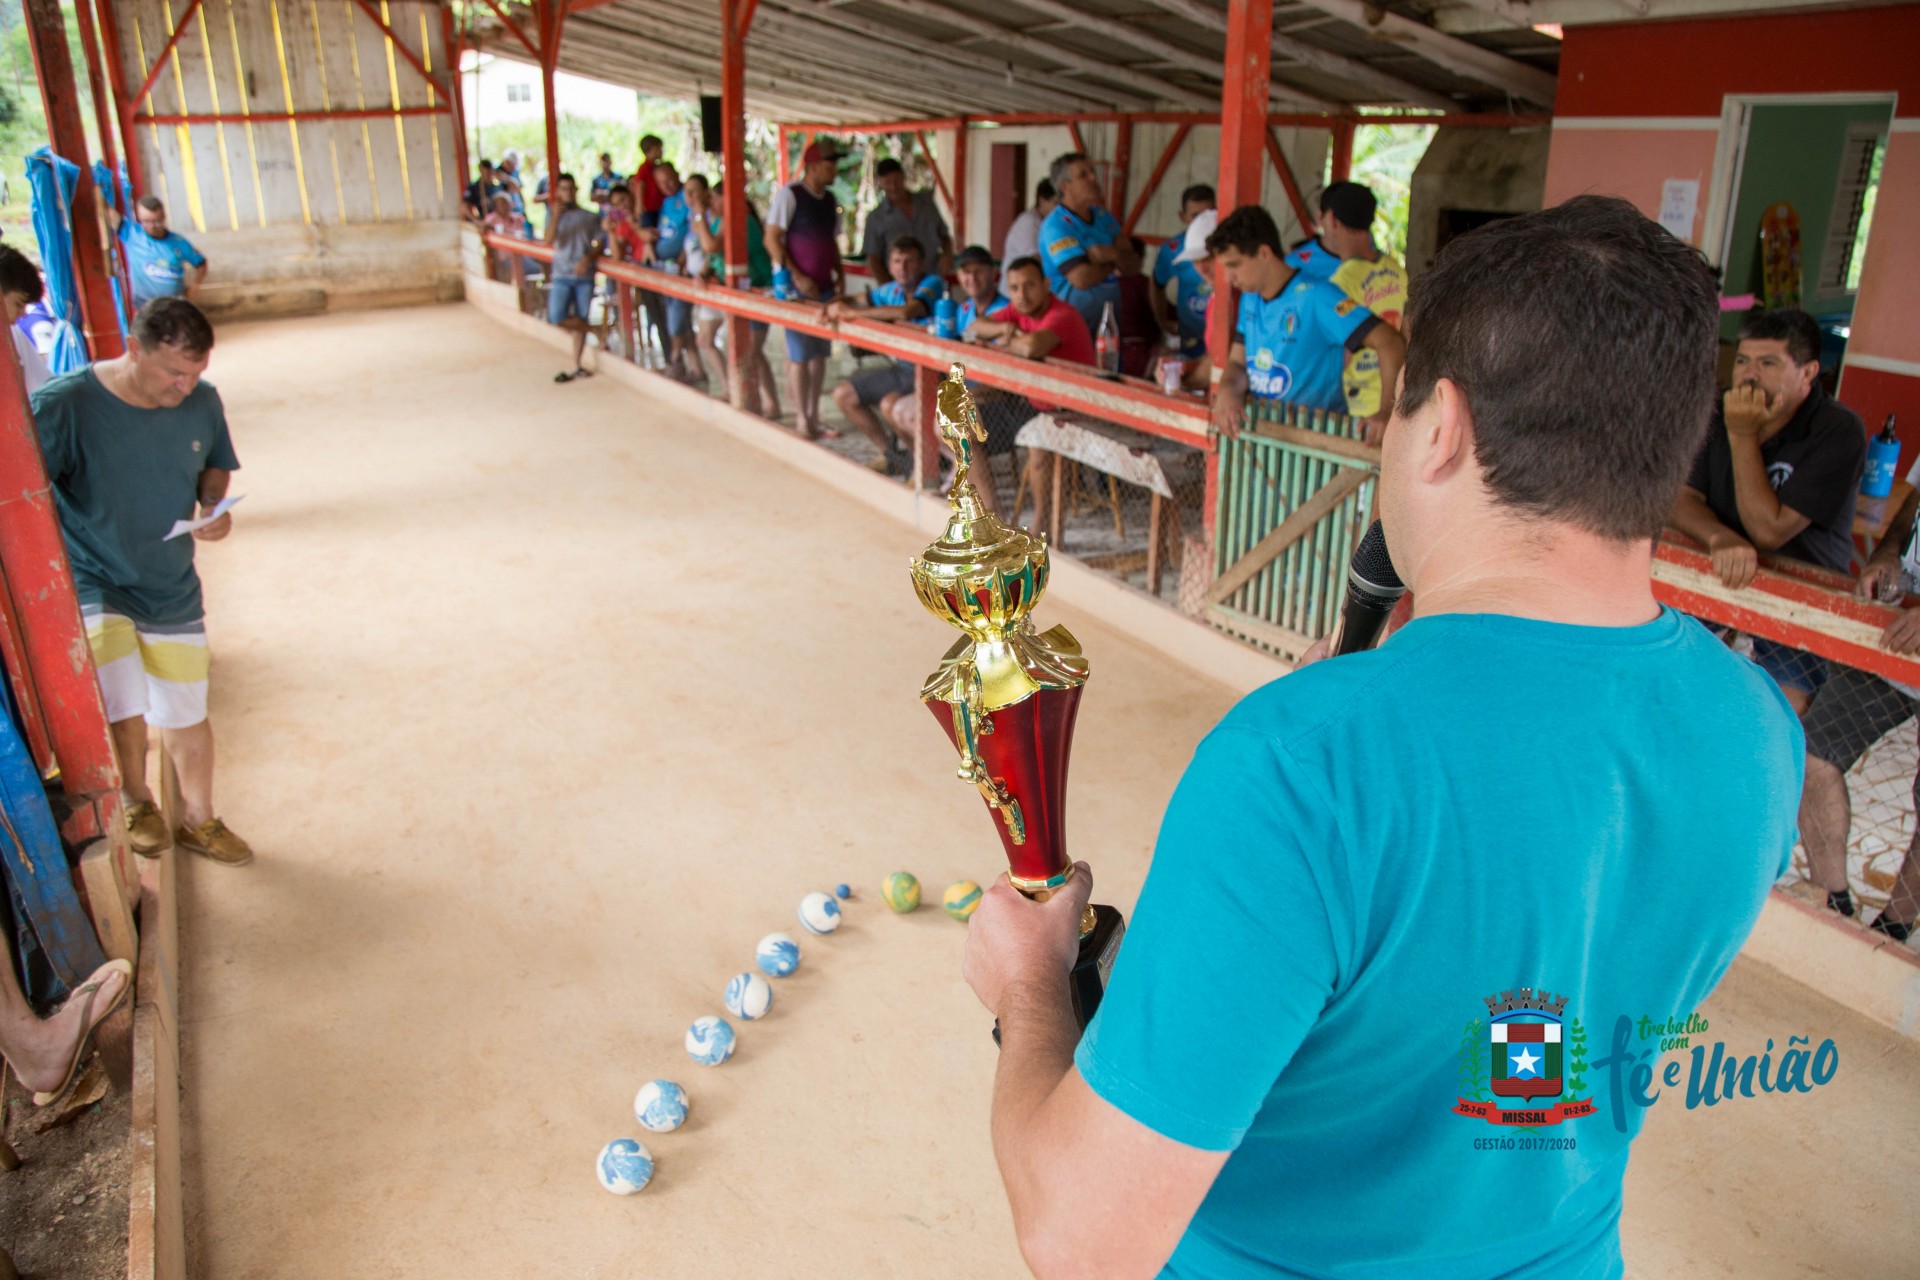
1523 1052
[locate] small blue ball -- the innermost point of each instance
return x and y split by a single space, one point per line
625 1167
778 955
660 1106
710 1041
842 891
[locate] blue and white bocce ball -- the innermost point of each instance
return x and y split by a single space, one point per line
710 1041
777 955
660 1106
843 891
820 913
748 996
625 1167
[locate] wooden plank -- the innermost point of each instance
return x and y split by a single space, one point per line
163 160
392 184
278 165
226 89
1323 441
334 51
156 1244
1286 641
108 901
1291 530
434 186
417 132
302 88
189 75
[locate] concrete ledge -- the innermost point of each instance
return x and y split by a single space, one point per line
156 1222
1864 971
1867 972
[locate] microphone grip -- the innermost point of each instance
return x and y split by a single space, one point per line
1362 618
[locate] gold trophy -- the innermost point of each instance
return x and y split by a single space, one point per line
1007 695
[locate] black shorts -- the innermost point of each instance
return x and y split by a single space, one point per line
875 385
1852 711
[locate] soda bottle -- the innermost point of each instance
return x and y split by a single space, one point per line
1106 344
1883 460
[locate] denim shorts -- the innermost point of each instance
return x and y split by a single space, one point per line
679 317
804 346
569 294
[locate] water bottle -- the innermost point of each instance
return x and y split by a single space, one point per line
1883 459
1106 344
1171 366
946 319
783 284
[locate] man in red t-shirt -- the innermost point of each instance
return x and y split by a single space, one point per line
1039 326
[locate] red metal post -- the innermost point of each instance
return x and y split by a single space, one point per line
103 119
450 43
550 16
1153 181
1122 157
960 184
780 160
122 105
1342 150
735 18
1073 131
47 29
1243 170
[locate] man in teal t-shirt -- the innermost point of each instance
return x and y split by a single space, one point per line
1545 805
133 446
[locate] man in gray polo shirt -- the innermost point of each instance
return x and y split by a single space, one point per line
904 213
578 240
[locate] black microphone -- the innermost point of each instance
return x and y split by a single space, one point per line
1373 589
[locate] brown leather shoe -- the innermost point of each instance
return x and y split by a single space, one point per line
146 829
212 839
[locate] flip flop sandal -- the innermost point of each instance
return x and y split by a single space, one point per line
94 1017
568 376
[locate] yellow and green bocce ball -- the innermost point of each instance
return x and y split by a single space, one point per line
901 891
960 899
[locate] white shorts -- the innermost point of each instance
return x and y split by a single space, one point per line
158 672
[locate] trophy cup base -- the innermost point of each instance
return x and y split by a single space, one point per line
1087 982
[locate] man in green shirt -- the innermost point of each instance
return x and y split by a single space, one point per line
132 446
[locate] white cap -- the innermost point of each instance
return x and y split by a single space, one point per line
1198 230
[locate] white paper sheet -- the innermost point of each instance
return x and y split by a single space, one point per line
1679 199
220 508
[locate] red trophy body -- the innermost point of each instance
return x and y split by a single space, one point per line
1006 695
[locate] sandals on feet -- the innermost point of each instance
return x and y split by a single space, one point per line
573 375
88 991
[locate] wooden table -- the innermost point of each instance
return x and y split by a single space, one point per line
1118 452
1871 516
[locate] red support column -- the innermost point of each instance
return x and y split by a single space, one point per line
1243 169
780 160
1342 150
960 185
549 16
123 108
456 100
735 18
1122 157
47 29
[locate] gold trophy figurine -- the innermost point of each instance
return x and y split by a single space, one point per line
1006 695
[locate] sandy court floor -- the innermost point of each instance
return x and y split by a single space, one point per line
541 705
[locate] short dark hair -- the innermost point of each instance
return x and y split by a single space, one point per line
1198 193
887 168
1045 191
152 204
650 140
173 322
566 177
1246 230
19 275
907 244
700 178
1057 171
1028 263
1800 331
1584 338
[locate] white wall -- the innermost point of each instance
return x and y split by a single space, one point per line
502 91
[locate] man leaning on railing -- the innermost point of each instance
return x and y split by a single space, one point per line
1852 711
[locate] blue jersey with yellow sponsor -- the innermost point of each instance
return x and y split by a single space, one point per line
1065 238
929 291
1296 342
156 268
1313 261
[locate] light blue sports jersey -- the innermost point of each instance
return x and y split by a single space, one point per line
1164 265
1296 342
675 222
929 291
1065 238
1313 261
1366 863
156 268
968 314
1192 292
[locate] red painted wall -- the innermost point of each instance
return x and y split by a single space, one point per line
1683 68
